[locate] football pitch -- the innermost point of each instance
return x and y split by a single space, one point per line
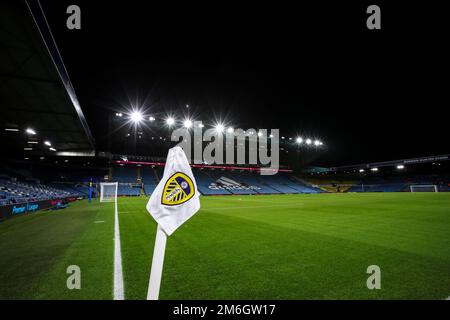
239 247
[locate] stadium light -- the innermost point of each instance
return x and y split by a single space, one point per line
374 169
299 140
260 134
136 117
308 141
47 143
170 121
52 149
12 129
201 125
119 114
400 167
270 135
30 131
151 119
317 143
230 130
187 123
220 128
361 170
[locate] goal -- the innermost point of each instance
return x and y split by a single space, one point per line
108 191
424 188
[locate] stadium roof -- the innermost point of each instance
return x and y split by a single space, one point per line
410 161
32 92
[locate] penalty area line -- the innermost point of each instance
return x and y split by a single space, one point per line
118 274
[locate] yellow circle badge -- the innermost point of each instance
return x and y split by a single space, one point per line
178 189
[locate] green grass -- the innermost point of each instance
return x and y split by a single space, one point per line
240 247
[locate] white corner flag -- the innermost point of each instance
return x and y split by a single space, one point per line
173 202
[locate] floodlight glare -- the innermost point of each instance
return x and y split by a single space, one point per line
220 128
361 170
151 119
52 149
400 167
317 143
136 117
47 143
30 131
170 121
308 141
260 134
374 169
187 123
201 125
299 140
271 136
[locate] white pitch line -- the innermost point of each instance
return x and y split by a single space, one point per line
249 207
118 274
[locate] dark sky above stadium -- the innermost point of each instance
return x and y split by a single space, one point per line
308 70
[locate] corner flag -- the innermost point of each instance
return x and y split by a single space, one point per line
174 201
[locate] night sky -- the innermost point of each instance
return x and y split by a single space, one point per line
370 95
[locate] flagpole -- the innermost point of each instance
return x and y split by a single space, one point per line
157 264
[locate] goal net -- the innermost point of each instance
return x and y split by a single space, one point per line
424 188
108 191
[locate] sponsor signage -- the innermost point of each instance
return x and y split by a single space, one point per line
21 208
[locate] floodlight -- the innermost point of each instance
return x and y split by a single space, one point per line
47 143
201 125
12 129
271 136
317 143
170 121
374 169
31 131
400 167
230 130
299 140
220 128
187 123
151 119
52 149
260 134
119 114
32 142
136 116
308 141
361 170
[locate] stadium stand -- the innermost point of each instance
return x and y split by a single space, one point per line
149 179
124 174
12 192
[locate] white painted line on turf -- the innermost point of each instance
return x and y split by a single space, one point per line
100 221
249 207
118 274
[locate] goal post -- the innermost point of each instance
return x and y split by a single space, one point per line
108 191
423 188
